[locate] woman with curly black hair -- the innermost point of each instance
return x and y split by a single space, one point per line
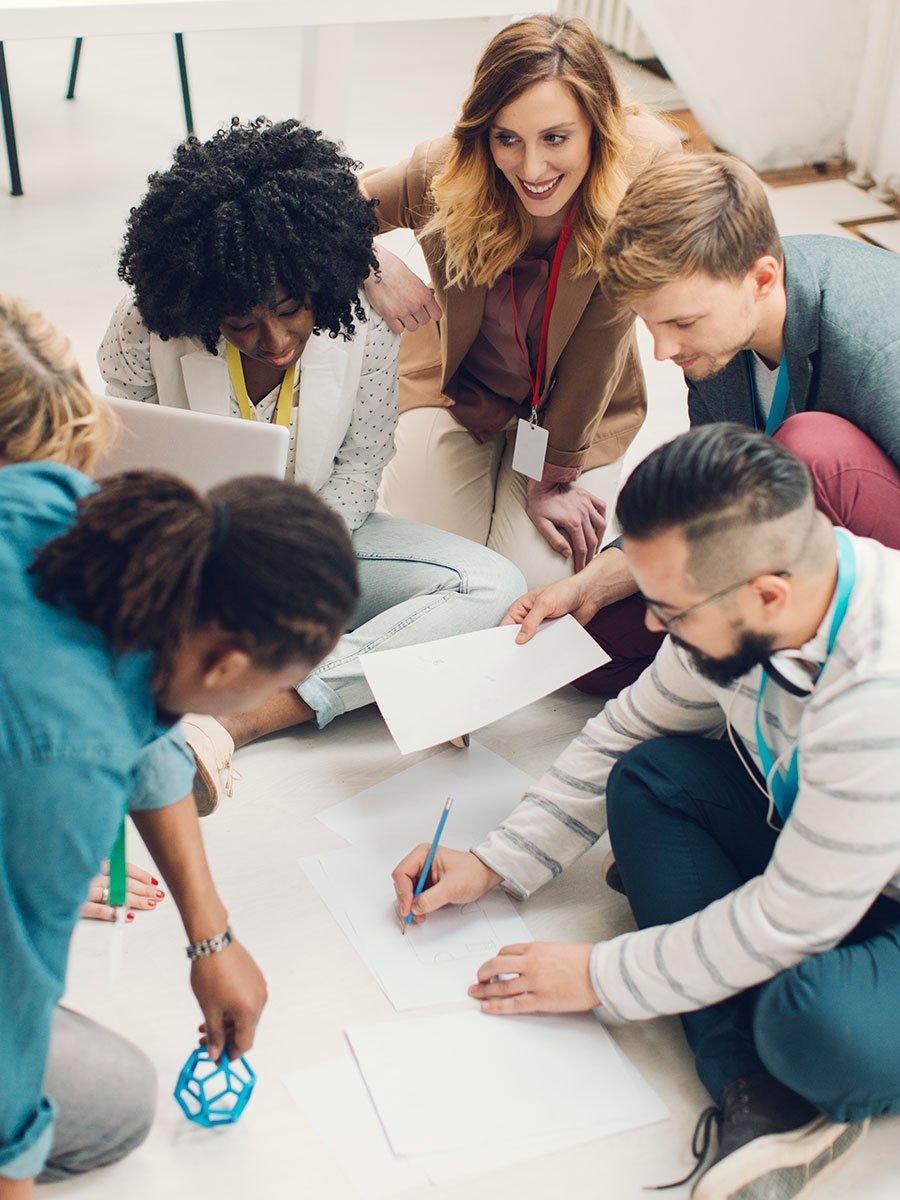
246 258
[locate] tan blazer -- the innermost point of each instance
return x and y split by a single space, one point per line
594 400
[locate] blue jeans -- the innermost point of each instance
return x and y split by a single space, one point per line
417 584
688 826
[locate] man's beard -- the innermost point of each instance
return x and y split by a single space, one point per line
753 649
710 365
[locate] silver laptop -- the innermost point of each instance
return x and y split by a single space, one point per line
202 449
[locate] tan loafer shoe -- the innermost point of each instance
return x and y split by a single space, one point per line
213 747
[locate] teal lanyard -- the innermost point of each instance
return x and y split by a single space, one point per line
118 872
779 399
784 791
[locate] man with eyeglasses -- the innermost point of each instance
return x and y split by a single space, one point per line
749 781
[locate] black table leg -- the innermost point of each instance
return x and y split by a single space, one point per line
185 89
9 128
70 94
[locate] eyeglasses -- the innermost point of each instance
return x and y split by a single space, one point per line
668 622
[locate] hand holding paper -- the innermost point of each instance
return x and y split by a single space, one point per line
458 877
435 691
573 594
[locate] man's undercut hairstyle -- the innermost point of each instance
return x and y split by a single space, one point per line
743 502
685 215
257 207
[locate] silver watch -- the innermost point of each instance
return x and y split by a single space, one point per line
210 945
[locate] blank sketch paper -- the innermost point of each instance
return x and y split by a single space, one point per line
334 1098
393 816
538 1077
439 690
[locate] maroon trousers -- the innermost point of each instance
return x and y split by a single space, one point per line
855 485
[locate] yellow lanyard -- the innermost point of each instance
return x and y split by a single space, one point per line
248 412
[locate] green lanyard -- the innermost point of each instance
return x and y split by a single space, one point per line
118 872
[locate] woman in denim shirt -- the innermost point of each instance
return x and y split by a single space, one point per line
115 623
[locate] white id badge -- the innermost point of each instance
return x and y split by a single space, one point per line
530 450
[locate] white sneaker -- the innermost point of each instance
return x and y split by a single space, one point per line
213 747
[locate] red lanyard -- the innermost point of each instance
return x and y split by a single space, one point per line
535 379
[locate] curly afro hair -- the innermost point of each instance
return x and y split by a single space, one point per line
258 206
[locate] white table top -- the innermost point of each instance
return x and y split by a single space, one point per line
75 18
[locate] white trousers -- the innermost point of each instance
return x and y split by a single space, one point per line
441 476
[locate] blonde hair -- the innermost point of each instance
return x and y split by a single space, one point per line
46 409
476 212
683 215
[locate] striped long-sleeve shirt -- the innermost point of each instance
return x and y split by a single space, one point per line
838 850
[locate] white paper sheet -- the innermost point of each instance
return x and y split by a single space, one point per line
439 690
333 1097
504 1082
398 813
435 962
432 963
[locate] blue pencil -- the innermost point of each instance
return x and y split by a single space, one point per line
428 861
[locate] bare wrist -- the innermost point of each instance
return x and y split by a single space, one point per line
203 925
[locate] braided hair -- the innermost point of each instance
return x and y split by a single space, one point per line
148 560
257 207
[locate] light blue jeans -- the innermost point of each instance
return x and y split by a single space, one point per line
417 584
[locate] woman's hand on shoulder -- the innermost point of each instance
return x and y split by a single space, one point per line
399 295
571 519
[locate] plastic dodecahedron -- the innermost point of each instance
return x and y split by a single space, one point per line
214 1093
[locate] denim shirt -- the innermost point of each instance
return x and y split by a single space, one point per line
75 719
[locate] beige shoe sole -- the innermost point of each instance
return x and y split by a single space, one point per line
782 1166
212 747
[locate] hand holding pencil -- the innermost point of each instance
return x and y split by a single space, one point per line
451 877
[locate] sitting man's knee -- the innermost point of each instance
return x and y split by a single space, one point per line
819 438
641 770
806 1041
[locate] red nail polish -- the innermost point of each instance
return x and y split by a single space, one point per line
151 904
129 916
160 895
155 882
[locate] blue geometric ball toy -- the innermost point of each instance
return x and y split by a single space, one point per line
214 1093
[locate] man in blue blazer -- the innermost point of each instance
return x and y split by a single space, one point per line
799 337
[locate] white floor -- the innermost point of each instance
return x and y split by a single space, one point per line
83 164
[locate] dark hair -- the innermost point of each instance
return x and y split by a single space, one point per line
148 559
257 207
712 479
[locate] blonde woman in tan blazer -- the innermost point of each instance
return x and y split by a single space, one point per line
543 142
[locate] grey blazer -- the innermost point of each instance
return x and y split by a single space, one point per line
842 338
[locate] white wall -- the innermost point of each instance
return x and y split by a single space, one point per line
873 137
772 81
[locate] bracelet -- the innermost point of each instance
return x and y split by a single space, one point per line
210 945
